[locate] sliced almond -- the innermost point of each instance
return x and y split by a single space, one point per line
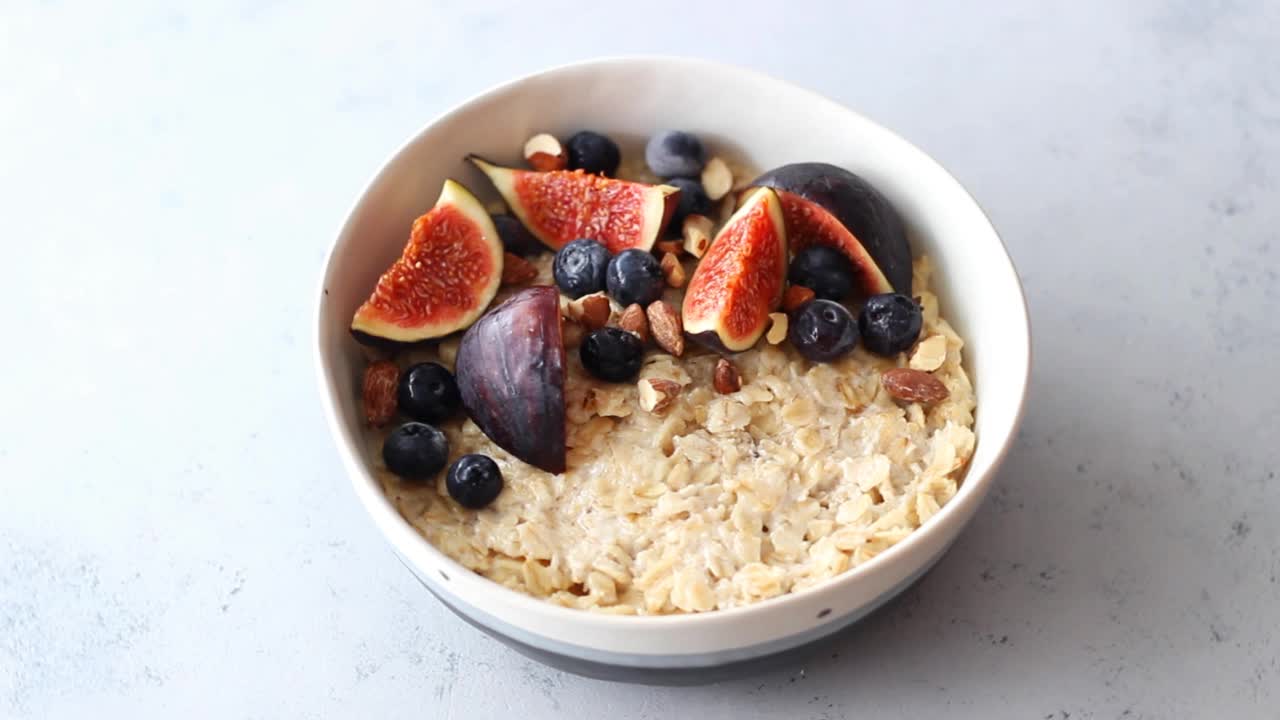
544 152
665 327
911 385
929 354
726 378
590 311
634 321
663 247
777 329
696 232
717 180
673 271
516 270
657 394
796 296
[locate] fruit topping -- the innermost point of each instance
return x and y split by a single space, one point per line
633 320
449 271
828 205
726 378
796 296
674 153
657 394
579 267
823 269
611 354
666 327
693 201
915 386
593 153
778 324
890 323
559 206
543 152
428 393
515 238
695 233
474 481
634 276
511 374
516 270
415 451
823 331
717 180
673 271
740 279
378 392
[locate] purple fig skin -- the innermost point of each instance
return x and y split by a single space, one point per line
858 206
510 370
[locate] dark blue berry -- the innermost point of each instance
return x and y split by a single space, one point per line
579 267
823 330
673 153
415 451
593 152
428 393
516 238
611 354
693 201
824 270
634 276
474 481
890 323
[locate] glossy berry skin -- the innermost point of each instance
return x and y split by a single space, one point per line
474 481
674 153
593 152
824 270
428 393
634 276
515 237
579 267
415 451
823 330
693 201
890 323
611 354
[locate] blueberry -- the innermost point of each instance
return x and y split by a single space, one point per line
579 267
516 238
415 451
474 481
824 270
673 153
693 201
823 330
634 276
890 323
611 354
428 393
593 152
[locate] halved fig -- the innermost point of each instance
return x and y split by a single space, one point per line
828 205
740 279
510 370
449 271
564 205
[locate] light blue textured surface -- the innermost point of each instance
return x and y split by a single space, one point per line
176 535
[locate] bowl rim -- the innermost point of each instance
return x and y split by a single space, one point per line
411 545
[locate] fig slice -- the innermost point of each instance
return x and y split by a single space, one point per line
563 205
510 370
828 205
447 275
740 278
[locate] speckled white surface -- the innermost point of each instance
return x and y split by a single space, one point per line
178 540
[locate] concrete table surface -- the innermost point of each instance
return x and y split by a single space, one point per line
177 538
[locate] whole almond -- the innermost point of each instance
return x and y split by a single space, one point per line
696 232
657 394
665 327
378 392
673 271
591 311
796 296
777 328
726 378
544 152
634 321
516 270
913 386
662 247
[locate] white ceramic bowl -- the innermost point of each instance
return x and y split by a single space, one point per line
767 123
